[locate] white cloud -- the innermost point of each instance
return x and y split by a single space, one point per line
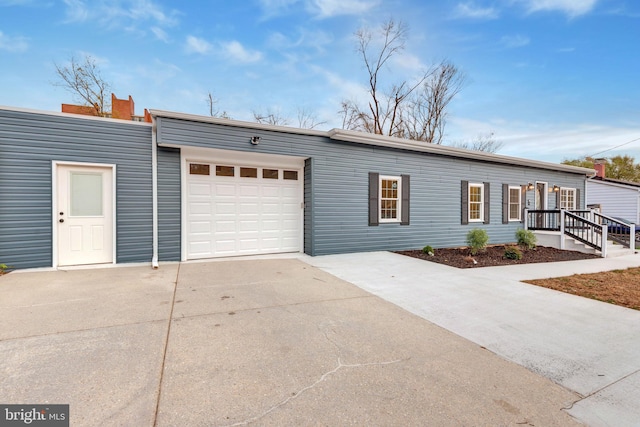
160 34
470 10
13 44
548 142
572 8
126 14
329 8
197 45
514 41
238 52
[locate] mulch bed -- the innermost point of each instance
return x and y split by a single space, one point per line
494 255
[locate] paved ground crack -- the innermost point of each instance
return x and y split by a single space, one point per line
298 393
340 365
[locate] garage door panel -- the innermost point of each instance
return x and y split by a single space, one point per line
238 215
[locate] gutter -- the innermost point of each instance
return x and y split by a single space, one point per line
154 192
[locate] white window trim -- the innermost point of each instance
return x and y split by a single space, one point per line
398 217
574 197
481 186
519 218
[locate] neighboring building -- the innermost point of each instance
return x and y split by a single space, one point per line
83 190
613 197
122 109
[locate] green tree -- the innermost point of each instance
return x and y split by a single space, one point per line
617 167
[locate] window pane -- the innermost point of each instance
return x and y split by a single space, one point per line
249 172
514 203
86 194
198 169
224 171
270 173
293 175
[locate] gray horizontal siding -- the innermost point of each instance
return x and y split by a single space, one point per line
336 183
29 142
169 211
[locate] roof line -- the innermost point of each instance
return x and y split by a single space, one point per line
72 115
393 142
237 123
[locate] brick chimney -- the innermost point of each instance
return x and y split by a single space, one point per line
122 109
599 165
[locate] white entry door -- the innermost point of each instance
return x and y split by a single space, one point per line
84 214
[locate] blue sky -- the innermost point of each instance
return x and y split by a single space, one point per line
552 79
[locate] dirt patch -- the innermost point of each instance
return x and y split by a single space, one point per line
495 255
620 287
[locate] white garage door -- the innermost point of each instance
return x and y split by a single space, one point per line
242 210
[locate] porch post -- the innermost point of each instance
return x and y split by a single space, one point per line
526 219
562 229
632 238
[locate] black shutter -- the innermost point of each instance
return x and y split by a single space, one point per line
464 202
404 207
487 203
558 199
577 198
373 197
505 203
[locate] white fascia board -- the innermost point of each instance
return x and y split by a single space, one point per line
235 123
613 184
75 116
382 141
391 142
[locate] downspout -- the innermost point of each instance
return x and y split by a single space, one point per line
154 192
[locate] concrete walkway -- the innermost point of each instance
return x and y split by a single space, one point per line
260 342
589 347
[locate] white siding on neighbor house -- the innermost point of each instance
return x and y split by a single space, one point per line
615 199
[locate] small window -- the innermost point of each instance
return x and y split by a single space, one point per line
515 207
390 199
568 198
249 172
198 169
476 202
225 171
270 173
293 175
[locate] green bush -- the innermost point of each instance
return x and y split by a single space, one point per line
526 238
477 240
428 250
512 252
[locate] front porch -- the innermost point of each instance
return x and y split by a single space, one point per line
584 230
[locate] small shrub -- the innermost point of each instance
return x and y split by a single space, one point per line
477 240
428 250
526 238
3 268
512 252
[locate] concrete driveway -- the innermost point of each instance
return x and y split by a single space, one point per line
589 347
249 342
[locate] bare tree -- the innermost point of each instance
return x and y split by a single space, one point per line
212 103
307 119
484 142
84 80
271 118
426 112
414 110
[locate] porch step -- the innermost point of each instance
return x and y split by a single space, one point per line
552 239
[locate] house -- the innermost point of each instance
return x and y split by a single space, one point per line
613 197
77 190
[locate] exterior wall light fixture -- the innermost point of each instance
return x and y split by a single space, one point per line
255 140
